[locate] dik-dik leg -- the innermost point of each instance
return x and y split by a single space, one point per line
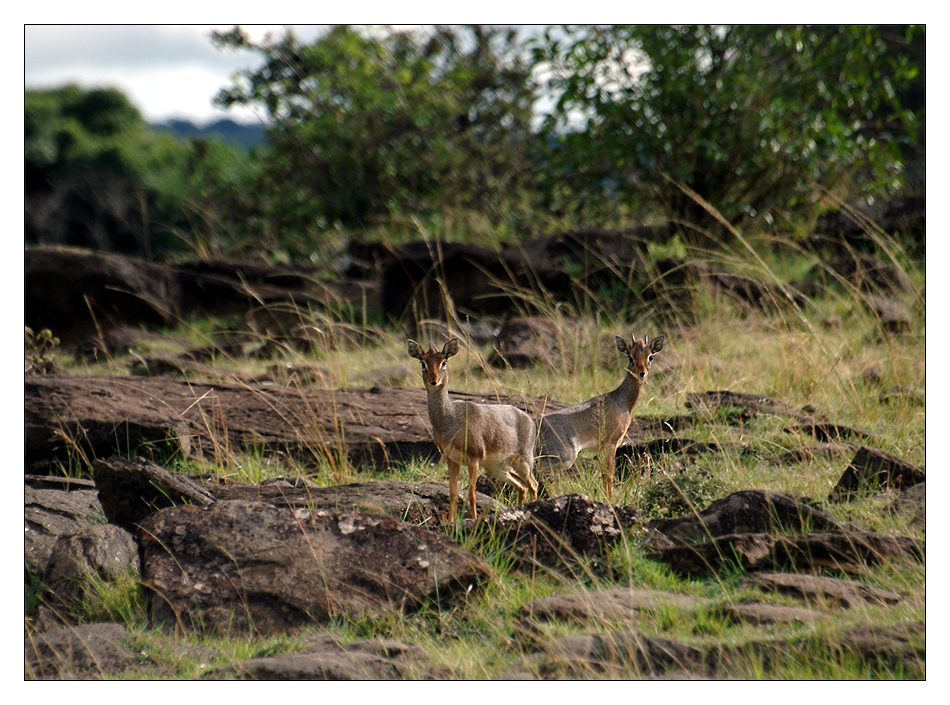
608 467
453 487
472 477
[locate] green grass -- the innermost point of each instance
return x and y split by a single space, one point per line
719 344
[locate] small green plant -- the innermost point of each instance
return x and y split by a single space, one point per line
38 351
678 491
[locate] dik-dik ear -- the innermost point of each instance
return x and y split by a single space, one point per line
450 348
657 344
622 345
415 350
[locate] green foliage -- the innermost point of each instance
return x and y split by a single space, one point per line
38 351
755 120
369 126
97 176
681 490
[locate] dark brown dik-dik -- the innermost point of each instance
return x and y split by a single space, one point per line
497 437
598 424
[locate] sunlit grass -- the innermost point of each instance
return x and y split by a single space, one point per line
828 358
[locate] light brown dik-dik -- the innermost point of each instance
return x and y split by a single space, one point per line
598 424
497 437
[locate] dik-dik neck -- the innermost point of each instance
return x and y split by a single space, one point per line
441 411
628 392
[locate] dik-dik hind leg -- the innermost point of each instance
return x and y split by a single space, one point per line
453 488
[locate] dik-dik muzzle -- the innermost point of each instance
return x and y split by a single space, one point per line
640 354
433 361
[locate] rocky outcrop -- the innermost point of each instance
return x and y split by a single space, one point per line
253 566
80 293
101 416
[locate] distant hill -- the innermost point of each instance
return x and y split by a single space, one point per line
245 135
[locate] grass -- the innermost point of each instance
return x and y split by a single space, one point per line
791 354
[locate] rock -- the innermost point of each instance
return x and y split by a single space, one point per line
912 500
253 566
77 293
623 654
829 432
130 490
527 341
421 503
555 532
420 278
709 403
894 316
54 507
630 653
759 613
873 470
78 652
105 416
746 290
811 452
102 553
837 552
604 605
80 293
821 590
746 512
324 658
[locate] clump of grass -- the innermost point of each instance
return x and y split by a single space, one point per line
679 490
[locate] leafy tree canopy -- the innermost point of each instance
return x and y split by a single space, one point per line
754 119
97 176
373 124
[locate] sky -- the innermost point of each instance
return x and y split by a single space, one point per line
167 71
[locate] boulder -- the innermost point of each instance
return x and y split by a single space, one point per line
557 532
745 512
604 605
254 566
873 470
93 555
55 507
130 490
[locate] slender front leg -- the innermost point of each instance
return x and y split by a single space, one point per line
608 463
453 488
472 477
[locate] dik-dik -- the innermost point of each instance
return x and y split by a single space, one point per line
498 437
598 424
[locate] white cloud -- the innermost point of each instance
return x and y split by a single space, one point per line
165 70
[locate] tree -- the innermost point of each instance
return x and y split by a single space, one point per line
755 120
97 176
368 124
